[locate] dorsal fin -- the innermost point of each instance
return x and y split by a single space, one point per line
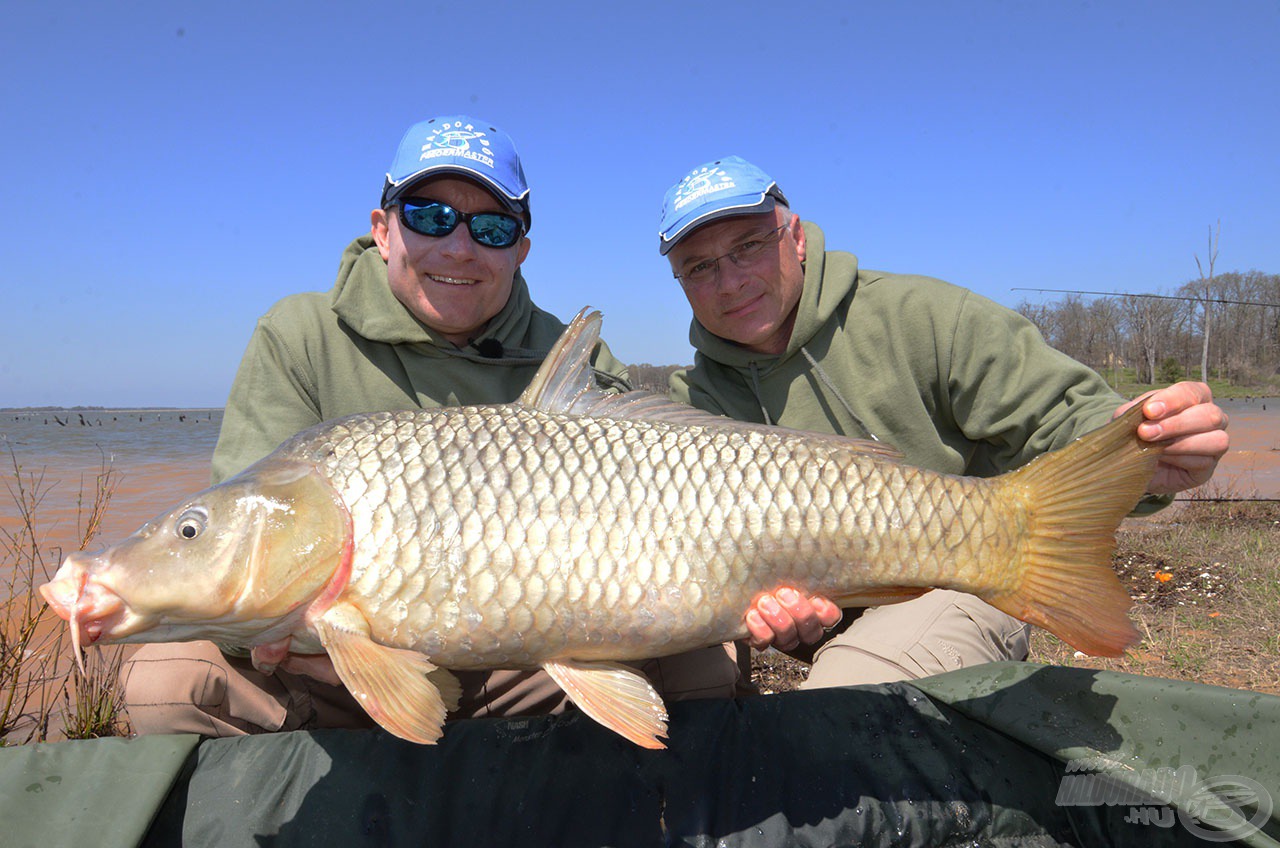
564 384
564 379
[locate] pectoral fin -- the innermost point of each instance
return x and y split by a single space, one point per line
401 690
615 695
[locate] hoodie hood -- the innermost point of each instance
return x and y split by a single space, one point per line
829 279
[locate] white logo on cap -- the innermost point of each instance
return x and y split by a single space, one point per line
453 139
700 183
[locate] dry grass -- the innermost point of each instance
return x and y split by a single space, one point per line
1205 579
42 693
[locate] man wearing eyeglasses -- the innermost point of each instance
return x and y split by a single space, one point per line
790 333
428 310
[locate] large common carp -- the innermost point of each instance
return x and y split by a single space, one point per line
574 529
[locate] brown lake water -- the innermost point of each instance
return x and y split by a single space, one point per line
156 456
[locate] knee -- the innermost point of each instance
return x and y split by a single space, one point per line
178 673
936 633
856 664
176 688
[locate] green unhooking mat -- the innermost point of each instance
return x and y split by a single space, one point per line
1010 754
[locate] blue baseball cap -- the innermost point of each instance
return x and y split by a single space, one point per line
719 189
457 144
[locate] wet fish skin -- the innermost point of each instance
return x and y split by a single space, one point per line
573 530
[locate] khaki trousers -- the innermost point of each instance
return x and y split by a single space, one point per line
937 632
192 687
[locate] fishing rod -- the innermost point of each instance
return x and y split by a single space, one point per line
1226 500
1155 296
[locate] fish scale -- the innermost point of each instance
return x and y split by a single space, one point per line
575 529
629 511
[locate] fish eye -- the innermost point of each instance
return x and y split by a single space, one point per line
191 523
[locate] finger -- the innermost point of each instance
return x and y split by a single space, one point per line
779 620
829 614
760 634
1212 445
808 624
1175 399
1160 403
266 657
1202 428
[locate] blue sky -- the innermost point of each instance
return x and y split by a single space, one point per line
173 169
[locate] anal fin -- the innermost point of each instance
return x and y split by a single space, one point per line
615 695
401 690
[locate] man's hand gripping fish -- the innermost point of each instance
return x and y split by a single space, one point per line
574 529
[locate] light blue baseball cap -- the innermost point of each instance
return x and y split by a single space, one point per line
459 144
719 189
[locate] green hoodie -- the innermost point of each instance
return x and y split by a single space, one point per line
956 382
316 356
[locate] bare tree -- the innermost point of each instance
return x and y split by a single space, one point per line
1039 314
1206 287
1165 334
1149 322
651 378
1108 352
1070 330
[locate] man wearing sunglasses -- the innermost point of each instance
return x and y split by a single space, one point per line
430 309
792 334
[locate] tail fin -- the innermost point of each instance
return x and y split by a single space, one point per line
1075 498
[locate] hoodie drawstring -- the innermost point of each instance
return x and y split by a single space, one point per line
831 387
826 381
755 388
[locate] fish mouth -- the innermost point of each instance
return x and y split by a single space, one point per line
92 611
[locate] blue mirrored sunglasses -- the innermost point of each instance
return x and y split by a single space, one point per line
433 218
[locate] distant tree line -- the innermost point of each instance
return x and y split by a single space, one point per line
1164 338
651 377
